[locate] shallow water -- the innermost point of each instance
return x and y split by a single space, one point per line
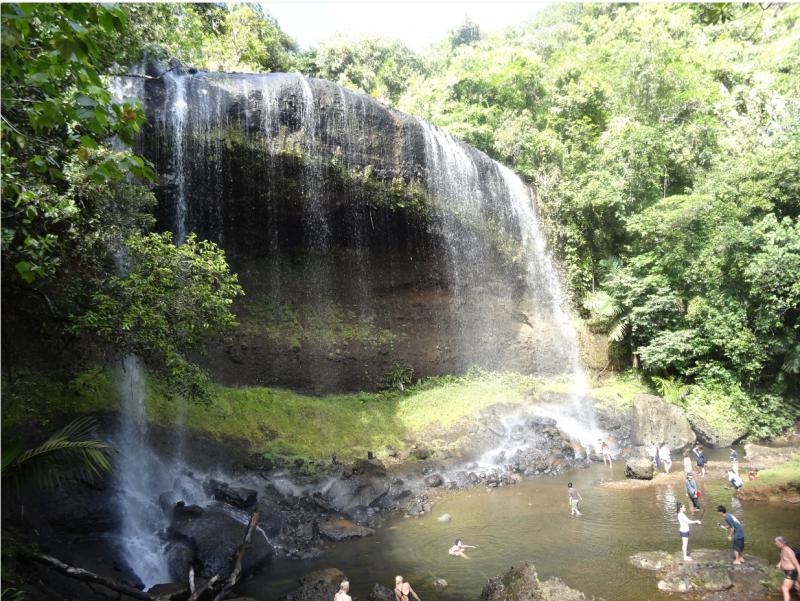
531 522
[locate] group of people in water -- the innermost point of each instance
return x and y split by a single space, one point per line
788 561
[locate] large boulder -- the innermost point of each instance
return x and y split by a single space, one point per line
236 496
656 420
341 529
317 586
716 433
639 468
215 537
381 593
363 485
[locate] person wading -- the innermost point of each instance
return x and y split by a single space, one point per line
691 491
343 594
403 590
790 566
574 496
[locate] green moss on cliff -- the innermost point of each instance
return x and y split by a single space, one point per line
327 325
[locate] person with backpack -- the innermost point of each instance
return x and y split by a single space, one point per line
691 491
789 562
735 534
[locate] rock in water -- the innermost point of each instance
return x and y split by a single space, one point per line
708 576
434 480
639 468
317 586
439 584
341 529
444 518
381 593
656 420
521 583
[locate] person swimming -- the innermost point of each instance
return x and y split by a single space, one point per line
458 549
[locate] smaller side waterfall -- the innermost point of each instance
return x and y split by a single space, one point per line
177 120
140 479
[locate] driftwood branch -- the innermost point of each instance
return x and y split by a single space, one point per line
85 575
217 587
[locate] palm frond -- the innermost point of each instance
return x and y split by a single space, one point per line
618 331
73 452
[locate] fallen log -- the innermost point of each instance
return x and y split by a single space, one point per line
217 587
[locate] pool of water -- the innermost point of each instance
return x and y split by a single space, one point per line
531 522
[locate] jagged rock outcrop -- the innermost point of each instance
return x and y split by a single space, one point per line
521 583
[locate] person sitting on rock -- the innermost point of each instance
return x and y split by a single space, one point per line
790 566
458 549
343 594
735 534
403 590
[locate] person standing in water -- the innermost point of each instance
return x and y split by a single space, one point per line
790 566
574 497
691 491
606 452
701 460
403 590
684 521
654 454
343 594
735 534
687 463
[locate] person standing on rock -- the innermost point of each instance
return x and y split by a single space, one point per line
691 491
735 534
343 594
684 521
403 590
666 460
734 460
790 566
574 496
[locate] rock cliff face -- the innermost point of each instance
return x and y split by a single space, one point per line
365 238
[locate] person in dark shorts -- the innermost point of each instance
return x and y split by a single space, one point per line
574 496
735 534
790 566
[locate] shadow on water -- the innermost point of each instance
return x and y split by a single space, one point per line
531 522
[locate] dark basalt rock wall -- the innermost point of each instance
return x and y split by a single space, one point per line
364 238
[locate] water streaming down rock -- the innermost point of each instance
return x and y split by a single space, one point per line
141 476
323 197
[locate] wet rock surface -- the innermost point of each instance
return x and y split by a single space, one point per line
341 529
317 586
710 576
521 583
639 468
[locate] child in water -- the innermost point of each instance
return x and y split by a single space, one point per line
574 496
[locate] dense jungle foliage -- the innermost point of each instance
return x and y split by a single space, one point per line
662 141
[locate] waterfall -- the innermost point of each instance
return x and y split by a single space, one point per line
177 123
140 479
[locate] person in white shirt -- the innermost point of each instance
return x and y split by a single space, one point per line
344 589
684 521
